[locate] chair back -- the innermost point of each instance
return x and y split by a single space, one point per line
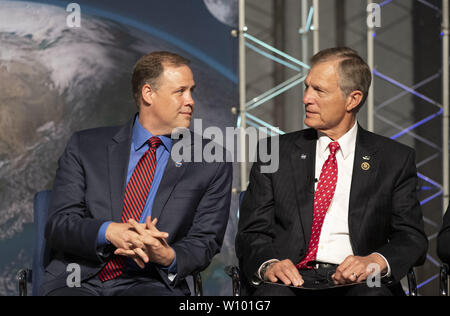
40 253
241 197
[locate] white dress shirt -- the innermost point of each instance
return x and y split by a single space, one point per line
334 242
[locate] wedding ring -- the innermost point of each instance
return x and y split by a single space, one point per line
355 275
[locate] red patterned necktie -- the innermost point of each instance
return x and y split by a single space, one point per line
322 200
136 194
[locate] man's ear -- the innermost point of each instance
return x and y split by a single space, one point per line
353 100
147 94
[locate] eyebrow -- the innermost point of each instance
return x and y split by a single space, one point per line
185 87
315 86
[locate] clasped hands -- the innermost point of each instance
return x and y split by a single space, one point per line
353 269
142 242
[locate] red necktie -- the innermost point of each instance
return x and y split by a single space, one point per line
136 194
322 200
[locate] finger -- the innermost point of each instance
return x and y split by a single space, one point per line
135 240
151 228
130 254
140 229
343 271
283 277
142 255
294 276
155 239
338 278
124 252
346 263
151 224
353 272
139 262
271 277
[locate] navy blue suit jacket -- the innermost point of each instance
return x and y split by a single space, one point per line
192 205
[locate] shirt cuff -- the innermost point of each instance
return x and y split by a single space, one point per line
172 269
388 273
101 236
258 274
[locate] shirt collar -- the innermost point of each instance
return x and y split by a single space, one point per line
141 136
347 142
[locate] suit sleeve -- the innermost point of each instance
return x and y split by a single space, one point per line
407 244
204 240
254 240
443 247
70 227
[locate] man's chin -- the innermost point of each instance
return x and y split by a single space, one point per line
310 123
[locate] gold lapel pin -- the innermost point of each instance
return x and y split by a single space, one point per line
365 166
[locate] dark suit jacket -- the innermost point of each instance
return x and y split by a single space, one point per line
443 247
192 205
384 214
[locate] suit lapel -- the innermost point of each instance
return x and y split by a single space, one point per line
303 159
364 175
118 159
172 174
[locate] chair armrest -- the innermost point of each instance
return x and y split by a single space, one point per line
198 285
233 273
23 275
443 284
412 283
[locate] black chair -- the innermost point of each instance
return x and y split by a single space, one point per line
237 281
41 255
443 282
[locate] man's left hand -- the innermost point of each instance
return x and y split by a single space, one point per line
355 269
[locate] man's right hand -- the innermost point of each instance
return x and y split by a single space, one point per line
123 235
285 271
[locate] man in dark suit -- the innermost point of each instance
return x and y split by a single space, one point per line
342 206
443 247
135 221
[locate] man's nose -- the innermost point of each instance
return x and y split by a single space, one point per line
306 96
189 100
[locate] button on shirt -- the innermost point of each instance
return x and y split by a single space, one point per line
138 147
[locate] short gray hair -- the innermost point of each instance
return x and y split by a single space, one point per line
354 73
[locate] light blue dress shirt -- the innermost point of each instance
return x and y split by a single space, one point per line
138 147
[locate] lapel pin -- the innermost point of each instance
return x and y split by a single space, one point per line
366 157
303 156
178 164
365 166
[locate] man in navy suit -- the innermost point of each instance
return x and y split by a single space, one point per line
135 221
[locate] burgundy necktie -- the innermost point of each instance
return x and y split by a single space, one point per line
136 194
322 200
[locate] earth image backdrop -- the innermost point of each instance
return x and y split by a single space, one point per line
55 80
